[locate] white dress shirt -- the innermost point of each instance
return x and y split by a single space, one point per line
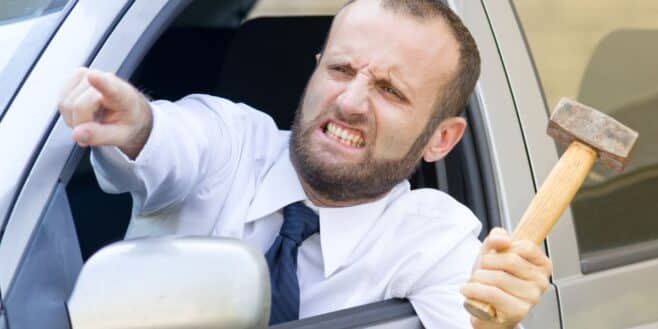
213 167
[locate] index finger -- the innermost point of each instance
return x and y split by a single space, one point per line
113 89
498 240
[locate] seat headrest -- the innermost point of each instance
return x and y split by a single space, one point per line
269 62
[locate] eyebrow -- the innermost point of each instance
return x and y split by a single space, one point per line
389 78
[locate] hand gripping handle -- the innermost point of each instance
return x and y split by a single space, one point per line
546 207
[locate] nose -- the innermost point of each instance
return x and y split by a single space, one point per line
354 98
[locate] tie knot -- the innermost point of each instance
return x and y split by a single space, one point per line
299 222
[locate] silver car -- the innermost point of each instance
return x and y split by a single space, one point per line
54 218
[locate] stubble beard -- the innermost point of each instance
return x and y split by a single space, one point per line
368 179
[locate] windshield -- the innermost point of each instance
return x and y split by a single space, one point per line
25 28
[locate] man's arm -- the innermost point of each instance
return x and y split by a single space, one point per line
158 152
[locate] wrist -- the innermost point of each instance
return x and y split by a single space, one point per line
479 324
136 142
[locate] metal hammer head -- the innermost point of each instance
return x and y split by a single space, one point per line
612 140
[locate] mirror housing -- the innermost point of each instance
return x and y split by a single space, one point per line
171 283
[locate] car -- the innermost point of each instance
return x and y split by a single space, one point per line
53 216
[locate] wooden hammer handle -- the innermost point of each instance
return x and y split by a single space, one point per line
546 207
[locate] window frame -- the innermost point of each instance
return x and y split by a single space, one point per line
19 67
129 29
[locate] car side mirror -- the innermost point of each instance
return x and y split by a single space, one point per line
183 282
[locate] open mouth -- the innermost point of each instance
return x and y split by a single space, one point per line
344 135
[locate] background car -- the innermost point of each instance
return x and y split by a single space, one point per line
53 216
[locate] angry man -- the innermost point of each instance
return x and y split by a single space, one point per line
328 203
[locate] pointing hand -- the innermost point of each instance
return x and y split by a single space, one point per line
105 110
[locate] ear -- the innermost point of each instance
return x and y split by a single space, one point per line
445 137
317 57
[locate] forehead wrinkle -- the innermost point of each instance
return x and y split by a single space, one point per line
377 69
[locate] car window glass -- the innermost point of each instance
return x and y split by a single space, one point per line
25 28
603 53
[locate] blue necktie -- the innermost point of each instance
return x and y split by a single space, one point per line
299 222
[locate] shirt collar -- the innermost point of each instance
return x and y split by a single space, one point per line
279 188
341 229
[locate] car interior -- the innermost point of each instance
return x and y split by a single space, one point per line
264 62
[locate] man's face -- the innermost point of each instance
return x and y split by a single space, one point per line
369 99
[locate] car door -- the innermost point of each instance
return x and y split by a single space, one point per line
39 252
601 53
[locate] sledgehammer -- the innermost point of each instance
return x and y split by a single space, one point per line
590 134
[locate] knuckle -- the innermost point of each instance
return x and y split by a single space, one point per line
549 267
528 247
469 290
78 105
484 291
543 284
67 103
496 277
514 261
481 272
525 310
476 276
64 105
95 95
478 289
487 277
485 261
535 297
525 248
492 261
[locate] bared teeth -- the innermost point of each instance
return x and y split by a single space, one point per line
343 135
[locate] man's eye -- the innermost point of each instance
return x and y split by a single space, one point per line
392 91
341 69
